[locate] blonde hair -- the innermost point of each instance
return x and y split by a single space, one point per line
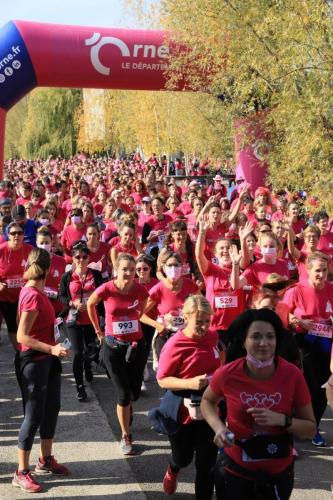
39 262
312 230
195 303
124 256
316 256
269 235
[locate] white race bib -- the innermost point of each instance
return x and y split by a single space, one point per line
15 282
125 327
321 330
226 301
51 294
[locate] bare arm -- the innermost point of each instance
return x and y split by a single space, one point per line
180 384
294 252
243 234
92 303
147 320
209 411
236 281
202 260
234 212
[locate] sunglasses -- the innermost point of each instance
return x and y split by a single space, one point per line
16 233
142 268
80 257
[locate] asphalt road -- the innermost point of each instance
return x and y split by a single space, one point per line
87 441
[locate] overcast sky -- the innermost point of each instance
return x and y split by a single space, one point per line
103 13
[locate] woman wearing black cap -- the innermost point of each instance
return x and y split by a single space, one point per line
76 286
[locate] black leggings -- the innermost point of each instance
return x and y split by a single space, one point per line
316 366
81 336
40 384
9 312
195 437
232 487
126 377
148 333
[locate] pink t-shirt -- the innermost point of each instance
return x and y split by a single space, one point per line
32 300
306 301
69 236
53 279
12 267
227 304
257 272
185 357
325 244
284 392
168 301
122 311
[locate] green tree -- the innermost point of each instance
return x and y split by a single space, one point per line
14 127
51 125
258 54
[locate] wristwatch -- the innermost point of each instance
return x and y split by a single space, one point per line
288 421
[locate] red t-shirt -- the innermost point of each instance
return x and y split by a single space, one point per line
122 311
101 256
212 236
306 301
284 392
326 244
227 304
257 272
12 267
53 279
169 302
81 289
185 357
69 236
32 300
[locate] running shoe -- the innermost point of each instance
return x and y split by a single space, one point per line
50 466
81 393
26 482
143 387
170 481
318 440
125 445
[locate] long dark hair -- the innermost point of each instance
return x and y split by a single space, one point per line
238 329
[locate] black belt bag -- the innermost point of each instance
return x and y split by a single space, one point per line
267 446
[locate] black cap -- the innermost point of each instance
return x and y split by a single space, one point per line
5 202
18 212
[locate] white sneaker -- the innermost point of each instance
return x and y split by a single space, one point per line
146 375
143 387
125 445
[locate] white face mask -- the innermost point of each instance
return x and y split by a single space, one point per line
45 246
173 272
44 222
268 251
76 219
257 363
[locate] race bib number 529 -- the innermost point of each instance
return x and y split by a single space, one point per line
226 301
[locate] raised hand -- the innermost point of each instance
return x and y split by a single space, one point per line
235 256
246 230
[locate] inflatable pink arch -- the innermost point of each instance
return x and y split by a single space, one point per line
52 55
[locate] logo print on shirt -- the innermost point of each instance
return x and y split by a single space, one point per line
328 307
23 263
56 274
135 303
257 399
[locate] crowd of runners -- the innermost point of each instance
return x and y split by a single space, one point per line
229 290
